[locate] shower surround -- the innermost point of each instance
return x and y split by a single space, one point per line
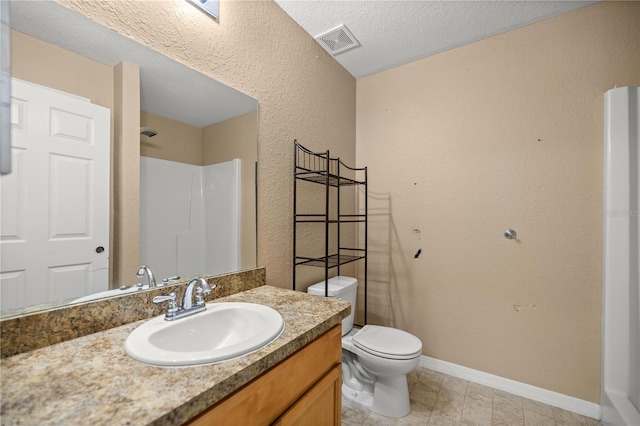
621 271
190 217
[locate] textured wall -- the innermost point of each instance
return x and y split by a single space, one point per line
257 49
502 133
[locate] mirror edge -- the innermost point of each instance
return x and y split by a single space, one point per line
23 333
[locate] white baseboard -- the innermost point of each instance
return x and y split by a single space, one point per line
566 402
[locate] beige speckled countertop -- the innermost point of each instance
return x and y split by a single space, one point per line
91 379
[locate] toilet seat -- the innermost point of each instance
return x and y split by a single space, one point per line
387 342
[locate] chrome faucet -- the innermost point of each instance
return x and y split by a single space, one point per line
188 308
146 270
204 289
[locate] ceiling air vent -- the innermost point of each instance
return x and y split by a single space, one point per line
337 40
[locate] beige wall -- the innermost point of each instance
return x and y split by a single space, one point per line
502 133
175 141
236 138
257 49
229 139
125 244
49 65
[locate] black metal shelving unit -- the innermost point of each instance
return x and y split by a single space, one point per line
321 169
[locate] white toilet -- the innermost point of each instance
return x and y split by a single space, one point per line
375 359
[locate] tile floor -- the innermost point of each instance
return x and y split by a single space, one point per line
441 400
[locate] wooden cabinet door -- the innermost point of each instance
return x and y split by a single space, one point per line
321 405
265 399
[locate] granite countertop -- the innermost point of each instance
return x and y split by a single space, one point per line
91 379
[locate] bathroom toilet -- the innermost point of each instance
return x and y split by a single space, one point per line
375 359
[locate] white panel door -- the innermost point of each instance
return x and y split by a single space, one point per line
54 240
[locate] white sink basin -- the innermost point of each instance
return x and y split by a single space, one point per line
109 293
224 331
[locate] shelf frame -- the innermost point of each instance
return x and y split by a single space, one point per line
320 168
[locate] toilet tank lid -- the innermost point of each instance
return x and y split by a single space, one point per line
337 286
386 340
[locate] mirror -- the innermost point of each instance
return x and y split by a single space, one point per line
189 123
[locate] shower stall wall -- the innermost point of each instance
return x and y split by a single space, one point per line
190 217
620 398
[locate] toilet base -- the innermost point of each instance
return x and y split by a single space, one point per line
390 396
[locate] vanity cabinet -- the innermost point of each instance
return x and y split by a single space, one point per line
304 389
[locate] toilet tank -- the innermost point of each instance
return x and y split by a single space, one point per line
340 287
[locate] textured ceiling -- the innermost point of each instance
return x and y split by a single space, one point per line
393 33
167 87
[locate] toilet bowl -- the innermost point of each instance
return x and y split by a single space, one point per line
375 359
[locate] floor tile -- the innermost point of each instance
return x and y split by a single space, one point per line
478 405
531 418
413 377
568 418
537 407
450 402
353 414
426 391
441 400
454 386
500 419
477 391
507 409
431 375
377 419
419 415
471 422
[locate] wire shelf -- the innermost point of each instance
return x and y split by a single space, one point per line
320 168
332 261
321 178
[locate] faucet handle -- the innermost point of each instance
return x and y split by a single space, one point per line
199 296
208 289
173 306
201 292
